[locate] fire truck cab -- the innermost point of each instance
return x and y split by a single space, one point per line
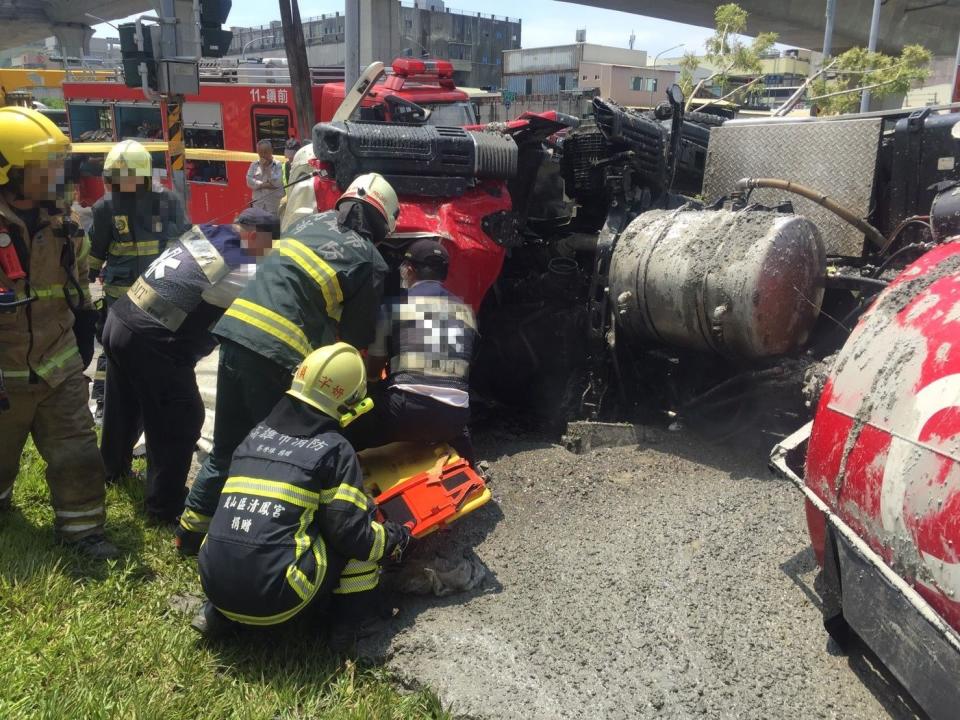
238 106
412 86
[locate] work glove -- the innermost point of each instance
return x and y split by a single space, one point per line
85 330
101 319
398 538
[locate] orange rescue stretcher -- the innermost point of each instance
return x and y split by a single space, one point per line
424 487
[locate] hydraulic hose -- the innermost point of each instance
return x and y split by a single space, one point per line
844 213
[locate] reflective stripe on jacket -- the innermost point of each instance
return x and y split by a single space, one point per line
38 337
319 284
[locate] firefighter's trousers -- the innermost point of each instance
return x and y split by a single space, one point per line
248 386
146 388
62 429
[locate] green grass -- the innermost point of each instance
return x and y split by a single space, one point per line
80 639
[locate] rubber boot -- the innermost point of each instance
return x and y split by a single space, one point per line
212 624
95 547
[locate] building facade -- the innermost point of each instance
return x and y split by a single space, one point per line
473 42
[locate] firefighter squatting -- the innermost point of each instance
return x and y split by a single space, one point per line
601 287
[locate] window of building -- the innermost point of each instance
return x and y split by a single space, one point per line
637 83
651 85
529 86
408 24
596 77
562 83
499 35
498 61
485 60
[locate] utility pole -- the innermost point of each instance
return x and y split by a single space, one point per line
872 46
169 49
831 16
297 65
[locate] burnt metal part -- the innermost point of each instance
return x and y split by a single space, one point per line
425 151
838 157
744 284
503 228
945 214
924 154
643 138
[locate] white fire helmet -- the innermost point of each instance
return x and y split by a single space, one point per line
374 190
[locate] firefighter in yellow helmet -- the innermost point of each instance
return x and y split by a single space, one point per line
293 525
46 391
322 283
132 225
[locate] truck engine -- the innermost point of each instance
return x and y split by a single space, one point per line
605 292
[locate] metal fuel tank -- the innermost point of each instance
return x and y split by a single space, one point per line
743 284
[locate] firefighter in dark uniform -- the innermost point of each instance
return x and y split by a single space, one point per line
427 338
323 282
155 335
132 225
293 526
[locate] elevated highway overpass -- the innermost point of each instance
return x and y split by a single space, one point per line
934 24
28 20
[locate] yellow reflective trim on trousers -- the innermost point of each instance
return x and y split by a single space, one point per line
194 521
271 323
358 576
268 620
323 275
7 374
273 489
57 360
135 249
346 493
115 291
94 263
320 556
299 582
379 542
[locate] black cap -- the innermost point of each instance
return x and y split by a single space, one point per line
261 219
427 252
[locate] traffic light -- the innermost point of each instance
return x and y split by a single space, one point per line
214 40
132 55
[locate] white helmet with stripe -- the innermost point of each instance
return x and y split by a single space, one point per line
374 190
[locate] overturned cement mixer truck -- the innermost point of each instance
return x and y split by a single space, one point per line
625 266
642 264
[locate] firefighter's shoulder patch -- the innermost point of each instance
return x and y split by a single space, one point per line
121 223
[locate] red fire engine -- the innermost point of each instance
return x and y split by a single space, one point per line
237 107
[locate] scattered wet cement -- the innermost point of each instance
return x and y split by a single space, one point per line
671 579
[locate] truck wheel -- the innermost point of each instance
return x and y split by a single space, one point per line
832 594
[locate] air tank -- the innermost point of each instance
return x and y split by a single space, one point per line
743 284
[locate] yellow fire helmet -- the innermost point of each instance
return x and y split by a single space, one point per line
27 136
374 190
334 381
128 157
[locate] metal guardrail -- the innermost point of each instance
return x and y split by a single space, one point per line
256 74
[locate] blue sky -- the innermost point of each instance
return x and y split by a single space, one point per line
545 22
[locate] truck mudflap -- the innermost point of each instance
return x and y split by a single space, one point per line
862 593
425 487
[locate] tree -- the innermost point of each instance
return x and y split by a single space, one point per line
727 52
838 90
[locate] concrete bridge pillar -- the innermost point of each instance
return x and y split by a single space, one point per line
73 39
